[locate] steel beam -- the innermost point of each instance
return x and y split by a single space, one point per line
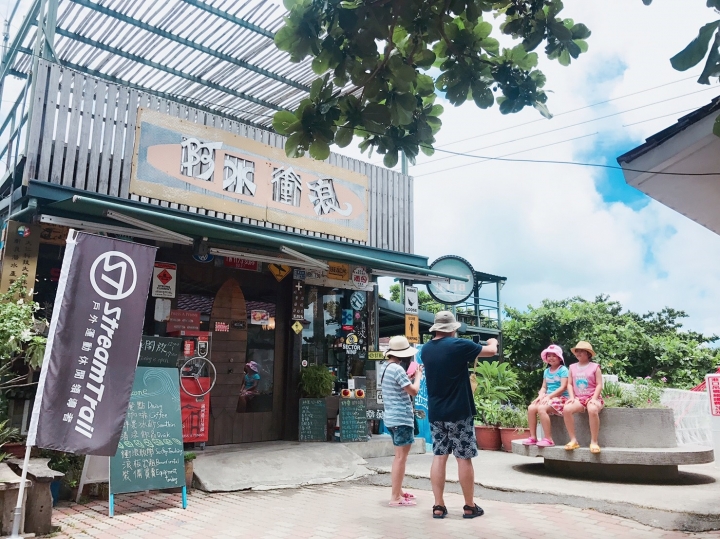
232 18
188 43
163 95
166 69
28 22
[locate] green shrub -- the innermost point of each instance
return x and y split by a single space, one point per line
513 418
190 456
316 382
488 412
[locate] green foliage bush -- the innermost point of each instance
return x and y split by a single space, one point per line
512 417
316 382
628 344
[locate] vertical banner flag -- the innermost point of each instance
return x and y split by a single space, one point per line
93 345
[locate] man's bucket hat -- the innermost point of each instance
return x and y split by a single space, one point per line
445 322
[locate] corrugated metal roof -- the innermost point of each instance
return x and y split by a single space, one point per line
215 53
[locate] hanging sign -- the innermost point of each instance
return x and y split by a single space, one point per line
53 234
339 272
20 253
279 271
297 327
411 300
376 356
298 300
241 263
181 320
259 317
164 280
203 259
412 328
360 278
89 364
299 274
455 291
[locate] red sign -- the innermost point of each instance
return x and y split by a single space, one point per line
195 410
241 263
713 388
164 276
189 348
183 321
222 327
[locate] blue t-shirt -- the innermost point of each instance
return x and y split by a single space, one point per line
446 364
397 401
553 379
250 379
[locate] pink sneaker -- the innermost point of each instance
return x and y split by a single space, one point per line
530 441
545 443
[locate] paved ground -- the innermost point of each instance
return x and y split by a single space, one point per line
349 510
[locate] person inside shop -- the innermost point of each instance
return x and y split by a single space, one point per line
250 386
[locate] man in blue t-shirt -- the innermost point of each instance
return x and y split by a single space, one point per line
451 408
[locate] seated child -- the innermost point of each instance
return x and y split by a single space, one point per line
585 389
551 398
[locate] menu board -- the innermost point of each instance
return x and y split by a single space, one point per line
159 351
150 453
353 420
313 420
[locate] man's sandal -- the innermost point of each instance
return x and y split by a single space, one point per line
474 511
570 446
442 509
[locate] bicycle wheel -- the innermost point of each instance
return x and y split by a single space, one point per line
194 368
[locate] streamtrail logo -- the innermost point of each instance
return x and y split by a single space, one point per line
113 275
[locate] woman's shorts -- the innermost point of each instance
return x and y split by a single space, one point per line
402 435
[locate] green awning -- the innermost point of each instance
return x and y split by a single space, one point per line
231 232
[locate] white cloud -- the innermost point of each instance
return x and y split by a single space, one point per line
547 227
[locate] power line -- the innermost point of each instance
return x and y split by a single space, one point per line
659 117
570 111
568 126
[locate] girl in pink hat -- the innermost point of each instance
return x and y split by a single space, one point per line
551 398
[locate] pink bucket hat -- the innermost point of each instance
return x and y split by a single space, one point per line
552 349
253 366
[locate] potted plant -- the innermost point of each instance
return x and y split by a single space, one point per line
189 458
487 432
15 445
316 384
513 426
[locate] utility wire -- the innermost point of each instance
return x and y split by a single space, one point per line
569 126
659 117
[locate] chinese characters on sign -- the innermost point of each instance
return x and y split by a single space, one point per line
20 254
298 301
713 387
221 171
164 280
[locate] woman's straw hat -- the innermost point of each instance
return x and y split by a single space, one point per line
584 345
400 347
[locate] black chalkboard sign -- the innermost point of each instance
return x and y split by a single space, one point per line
353 420
313 420
150 454
159 351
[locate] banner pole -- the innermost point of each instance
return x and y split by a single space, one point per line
21 494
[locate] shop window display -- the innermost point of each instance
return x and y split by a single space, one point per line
335 331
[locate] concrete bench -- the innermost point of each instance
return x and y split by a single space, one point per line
636 444
38 504
9 490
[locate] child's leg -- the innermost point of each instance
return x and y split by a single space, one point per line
532 420
545 421
568 412
594 420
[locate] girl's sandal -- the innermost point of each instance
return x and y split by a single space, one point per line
475 512
570 446
404 502
594 449
408 496
442 509
545 442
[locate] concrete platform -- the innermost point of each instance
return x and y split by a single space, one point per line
267 465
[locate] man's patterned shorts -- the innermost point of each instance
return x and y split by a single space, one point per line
456 437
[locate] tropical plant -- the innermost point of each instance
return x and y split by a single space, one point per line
380 62
488 412
628 344
316 382
613 394
496 382
512 417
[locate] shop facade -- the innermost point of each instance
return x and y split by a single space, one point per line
262 260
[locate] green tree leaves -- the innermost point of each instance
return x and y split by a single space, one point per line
382 49
693 54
